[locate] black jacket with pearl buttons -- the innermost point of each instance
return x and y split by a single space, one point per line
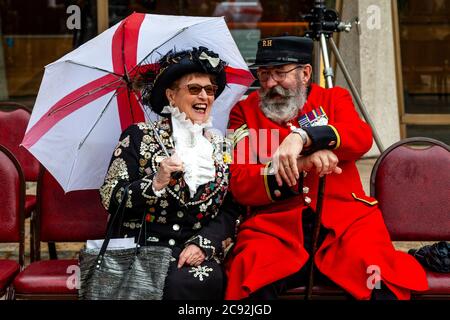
173 218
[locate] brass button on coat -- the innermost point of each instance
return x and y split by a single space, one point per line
307 200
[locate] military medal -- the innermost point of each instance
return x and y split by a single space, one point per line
316 117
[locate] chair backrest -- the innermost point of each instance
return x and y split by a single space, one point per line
12 201
13 124
73 217
411 181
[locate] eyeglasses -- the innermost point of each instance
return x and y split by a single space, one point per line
277 75
195 89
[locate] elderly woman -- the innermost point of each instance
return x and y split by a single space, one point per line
174 200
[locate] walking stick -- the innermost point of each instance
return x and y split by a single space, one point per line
323 23
328 72
315 237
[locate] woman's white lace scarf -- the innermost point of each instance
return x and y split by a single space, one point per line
193 148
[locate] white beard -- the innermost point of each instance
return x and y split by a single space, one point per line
285 108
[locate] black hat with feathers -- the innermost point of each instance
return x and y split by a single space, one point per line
174 65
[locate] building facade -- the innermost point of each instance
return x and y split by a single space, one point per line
399 62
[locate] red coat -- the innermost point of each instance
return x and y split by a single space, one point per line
270 241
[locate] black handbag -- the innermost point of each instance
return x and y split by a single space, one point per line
123 274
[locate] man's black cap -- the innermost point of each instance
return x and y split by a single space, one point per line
276 51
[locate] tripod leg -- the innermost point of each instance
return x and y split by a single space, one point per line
327 71
359 102
317 60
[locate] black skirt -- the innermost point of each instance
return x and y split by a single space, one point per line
205 282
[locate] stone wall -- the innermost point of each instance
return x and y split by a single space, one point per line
370 58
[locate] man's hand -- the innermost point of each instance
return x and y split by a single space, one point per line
325 162
191 255
284 160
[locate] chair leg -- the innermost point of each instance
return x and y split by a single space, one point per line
52 251
32 235
34 254
10 293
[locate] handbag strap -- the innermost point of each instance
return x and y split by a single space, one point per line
121 209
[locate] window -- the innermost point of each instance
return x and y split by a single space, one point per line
424 29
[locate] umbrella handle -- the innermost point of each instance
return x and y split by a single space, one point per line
176 175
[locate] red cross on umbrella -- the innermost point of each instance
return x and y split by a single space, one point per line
86 98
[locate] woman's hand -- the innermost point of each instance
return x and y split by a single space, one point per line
166 167
325 162
191 255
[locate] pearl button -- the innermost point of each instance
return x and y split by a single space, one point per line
180 214
305 173
172 242
176 227
305 189
277 193
117 152
152 239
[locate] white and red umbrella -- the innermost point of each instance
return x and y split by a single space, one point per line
86 99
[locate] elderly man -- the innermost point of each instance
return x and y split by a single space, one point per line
319 133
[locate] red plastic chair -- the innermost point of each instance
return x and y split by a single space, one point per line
412 186
14 120
12 215
73 217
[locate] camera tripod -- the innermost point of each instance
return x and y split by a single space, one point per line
323 23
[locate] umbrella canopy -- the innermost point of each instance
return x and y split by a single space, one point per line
86 99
